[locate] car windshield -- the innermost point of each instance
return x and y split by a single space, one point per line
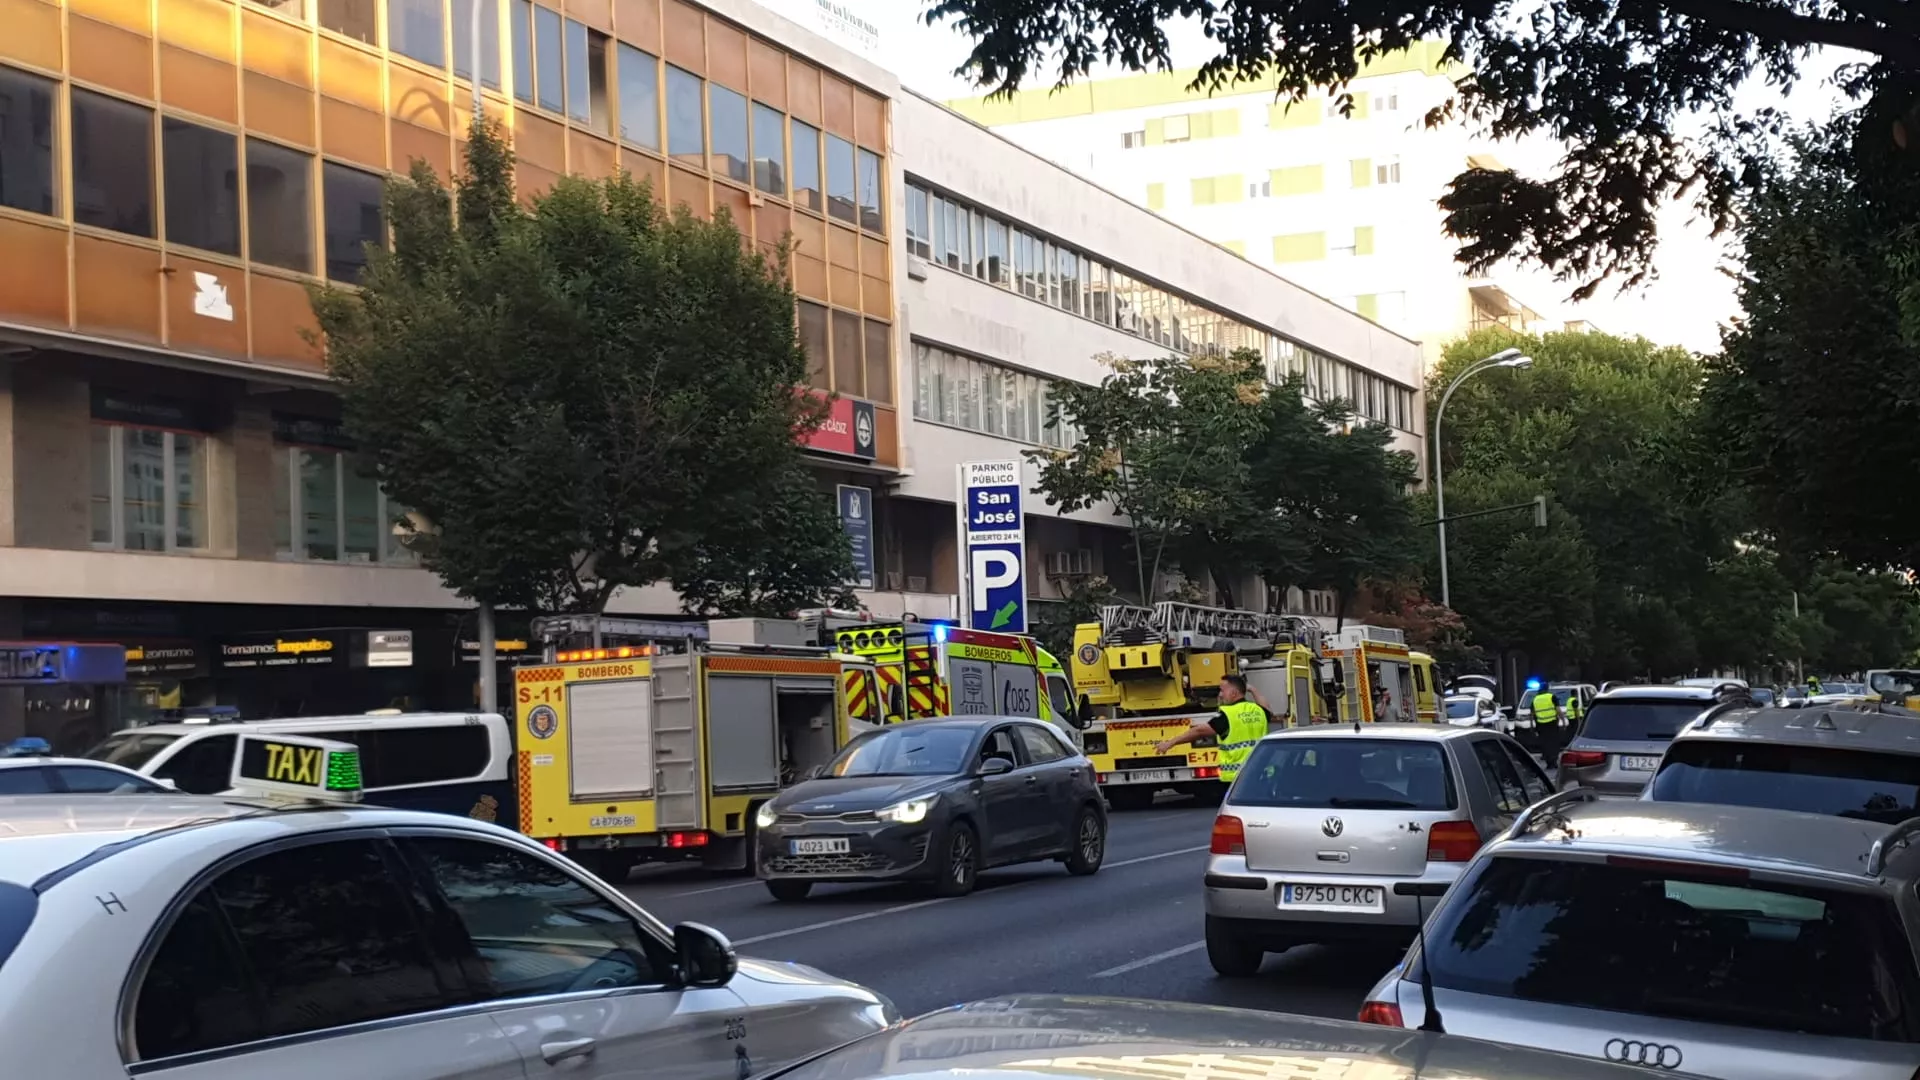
1816 779
1761 696
131 749
1460 708
1702 947
906 751
1627 720
1346 774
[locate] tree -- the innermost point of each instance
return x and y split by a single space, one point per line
1613 82
583 395
1055 621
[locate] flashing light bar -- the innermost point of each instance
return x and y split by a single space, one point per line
625 652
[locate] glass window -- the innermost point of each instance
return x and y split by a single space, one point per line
846 354
100 460
351 201
489 41
812 326
639 97
318 490
549 73
879 362
769 150
1532 778
840 183
520 30
132 748
341 514
919 235
1813 779
533 928
1627 720
195 995
415 28
1069 281
579 92
156 480
806 165
112 163
906 751
279 206
404 756
1502 777
686 134
203 186
1041 746
1347 774
727 115
81 779
353 18
1703 947
361 516
25 782
996 244
871 218
202 767
26 141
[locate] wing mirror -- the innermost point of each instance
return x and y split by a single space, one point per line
1082 714
706 957
995 766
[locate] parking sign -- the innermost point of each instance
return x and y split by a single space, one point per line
993 558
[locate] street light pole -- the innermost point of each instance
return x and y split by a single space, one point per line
1509 358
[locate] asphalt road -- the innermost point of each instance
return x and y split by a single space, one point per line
1132 930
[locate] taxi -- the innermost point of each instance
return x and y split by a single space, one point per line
291 932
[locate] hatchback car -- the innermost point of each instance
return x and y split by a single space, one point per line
935 801
1710 940
1626 729
197 938
1846 761
1339 834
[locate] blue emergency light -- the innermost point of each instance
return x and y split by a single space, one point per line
31 746
940 632
1533 684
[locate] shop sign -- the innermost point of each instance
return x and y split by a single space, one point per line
145 410
848 429
280 651
50 664
181 660
856 520
310 431
503 649
389 648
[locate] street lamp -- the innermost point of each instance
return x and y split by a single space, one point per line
1506 358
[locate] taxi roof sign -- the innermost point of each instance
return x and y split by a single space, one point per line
297 767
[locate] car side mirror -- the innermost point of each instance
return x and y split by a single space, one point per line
994 766
1082 714
706 957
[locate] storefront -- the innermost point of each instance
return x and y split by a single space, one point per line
69 690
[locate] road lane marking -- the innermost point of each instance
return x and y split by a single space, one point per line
1147 961
918 904
714 888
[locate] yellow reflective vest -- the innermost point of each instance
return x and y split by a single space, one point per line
1246 725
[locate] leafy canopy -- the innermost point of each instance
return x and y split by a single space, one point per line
582 395
1614 80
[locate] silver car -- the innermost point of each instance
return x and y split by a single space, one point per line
1336 833
1625 731
1719 941
1850 761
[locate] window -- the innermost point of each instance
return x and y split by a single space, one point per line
415 28
279 202
24 782
354 218
871 219
353 18
879 362
686 134
812 324
132 748
202 767
841 191
1341 243
1532 778
520 30
203 186
727 114
1386 103
1347 773
1387 172
1041 746
1883 787
404 756
1767 956
578 72
896 751
919 236
639 97
1176 129
996 243
982 396
1502 777
1261 190
489 41
846 354
533 928
769 150
549 60
151 495
26 141
806 165
83 780
325 510
1132 139
195 995
1629 720
112 163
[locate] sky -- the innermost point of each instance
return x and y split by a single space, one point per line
1690 299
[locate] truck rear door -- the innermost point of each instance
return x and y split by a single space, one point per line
673 722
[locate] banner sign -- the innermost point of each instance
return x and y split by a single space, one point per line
856 518
849 429
993 557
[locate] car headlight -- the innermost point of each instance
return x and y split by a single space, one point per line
910 812
765 816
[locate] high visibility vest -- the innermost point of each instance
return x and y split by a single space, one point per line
1543 712
1246 725
1573 706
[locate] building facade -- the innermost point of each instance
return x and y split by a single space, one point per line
176 174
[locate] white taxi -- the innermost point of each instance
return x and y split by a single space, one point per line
221 938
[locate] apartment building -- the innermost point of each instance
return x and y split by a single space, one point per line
175 175
1341 201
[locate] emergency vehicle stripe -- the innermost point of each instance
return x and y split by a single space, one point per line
765 666
855 684
523 780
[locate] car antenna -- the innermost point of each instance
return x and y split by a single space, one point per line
1431 1022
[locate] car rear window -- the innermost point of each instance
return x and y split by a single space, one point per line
1639 721
1458 708
17 906
131 749
1346 774
1659 940
1817 779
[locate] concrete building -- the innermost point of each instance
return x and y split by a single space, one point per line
1343 203
174 174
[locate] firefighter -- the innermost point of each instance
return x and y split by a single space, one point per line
1238 725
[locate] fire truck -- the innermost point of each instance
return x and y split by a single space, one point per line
936 669
643 740
1385 681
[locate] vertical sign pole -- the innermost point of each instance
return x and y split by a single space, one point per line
963 553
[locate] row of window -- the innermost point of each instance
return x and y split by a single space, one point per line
983 396
1187 127
206 176
971 241
846 353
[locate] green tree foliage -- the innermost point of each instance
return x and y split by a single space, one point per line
583 395
1055 621
1616 83
1224 475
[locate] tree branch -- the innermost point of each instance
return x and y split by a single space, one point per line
1795 29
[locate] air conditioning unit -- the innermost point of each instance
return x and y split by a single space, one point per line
916 583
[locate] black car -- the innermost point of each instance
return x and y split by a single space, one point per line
935 801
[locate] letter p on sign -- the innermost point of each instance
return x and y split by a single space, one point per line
999 600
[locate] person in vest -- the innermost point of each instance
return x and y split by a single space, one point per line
1546 717
1238 725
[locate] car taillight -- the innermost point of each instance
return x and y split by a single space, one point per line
1452 841
1581 759
1229 836
1387 1014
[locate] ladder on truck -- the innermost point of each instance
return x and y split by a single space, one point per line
1197 626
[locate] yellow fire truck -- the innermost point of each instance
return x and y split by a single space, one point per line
936 669
632 752
1145 674
1385 681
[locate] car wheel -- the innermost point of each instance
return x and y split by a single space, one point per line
1130 797
1089 843
960 864
789 891
1230 954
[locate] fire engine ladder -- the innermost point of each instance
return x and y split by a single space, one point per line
1126 624
1196 625
552 630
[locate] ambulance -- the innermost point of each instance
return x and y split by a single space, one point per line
931 669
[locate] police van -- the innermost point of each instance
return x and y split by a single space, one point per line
450 763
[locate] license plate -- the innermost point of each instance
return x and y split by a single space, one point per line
829 845
1637 763
1152 776
611 821
1334 897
